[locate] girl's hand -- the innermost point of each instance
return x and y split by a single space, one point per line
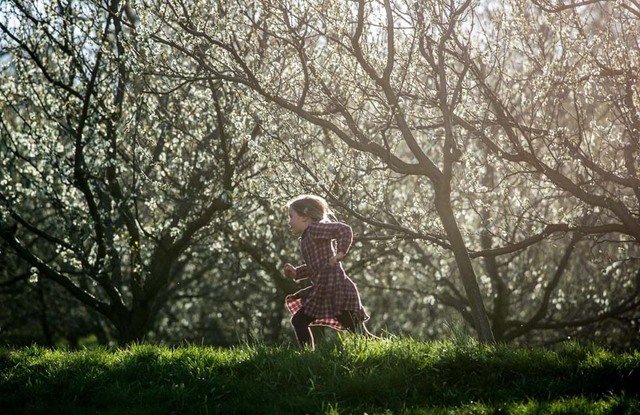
290 271
333 261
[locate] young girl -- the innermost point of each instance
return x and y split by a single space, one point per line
332 299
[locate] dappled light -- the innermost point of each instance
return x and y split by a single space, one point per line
486 155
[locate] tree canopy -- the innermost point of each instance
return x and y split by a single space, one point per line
486 154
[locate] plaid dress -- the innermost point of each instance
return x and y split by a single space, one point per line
331 290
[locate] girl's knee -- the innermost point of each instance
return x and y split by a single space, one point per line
300 319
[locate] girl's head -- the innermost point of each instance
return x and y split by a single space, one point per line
311 206
306 208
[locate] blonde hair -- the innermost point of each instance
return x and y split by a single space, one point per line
312 206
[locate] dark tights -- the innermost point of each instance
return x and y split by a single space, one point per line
301 323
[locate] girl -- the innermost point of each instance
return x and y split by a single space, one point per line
332 299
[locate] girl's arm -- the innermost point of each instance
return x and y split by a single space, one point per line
297 273
341 232
289 270
302 272
333 261
344 239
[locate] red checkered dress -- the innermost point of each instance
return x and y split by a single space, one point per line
332 291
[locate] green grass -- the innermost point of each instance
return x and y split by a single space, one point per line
353 376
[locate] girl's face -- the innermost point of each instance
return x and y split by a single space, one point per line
298 223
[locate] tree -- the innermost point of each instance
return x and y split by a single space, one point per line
112 172
501 133
575 120
558 106
301 58
435 96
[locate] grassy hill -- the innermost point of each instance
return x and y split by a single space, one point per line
352 376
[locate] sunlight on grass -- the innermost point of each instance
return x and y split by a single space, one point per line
347 375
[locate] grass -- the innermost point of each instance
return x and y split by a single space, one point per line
352 376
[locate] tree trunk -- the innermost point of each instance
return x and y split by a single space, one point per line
132 325
463 261
44 321
502 294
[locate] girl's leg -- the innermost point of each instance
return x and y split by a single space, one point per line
353 325
346 319
300 322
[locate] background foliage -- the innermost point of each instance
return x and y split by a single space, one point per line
148 149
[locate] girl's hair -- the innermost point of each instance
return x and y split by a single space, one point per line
313 207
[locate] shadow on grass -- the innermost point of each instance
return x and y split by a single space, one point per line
349 376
